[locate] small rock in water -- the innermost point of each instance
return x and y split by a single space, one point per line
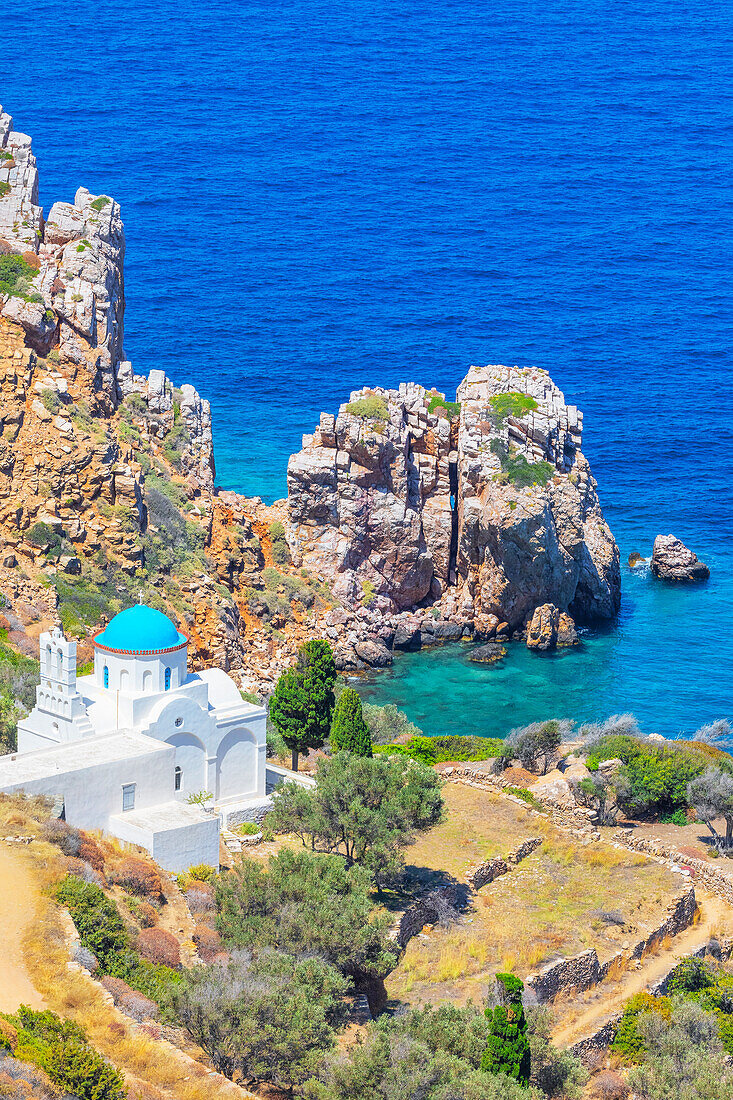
672 561
487 654
635 558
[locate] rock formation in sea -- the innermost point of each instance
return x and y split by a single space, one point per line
672 561
484 509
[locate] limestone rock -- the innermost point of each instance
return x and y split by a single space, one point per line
672 561
373 653
567 635
542 632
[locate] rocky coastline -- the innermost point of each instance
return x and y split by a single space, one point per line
410 520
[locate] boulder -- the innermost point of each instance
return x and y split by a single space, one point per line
394 499
566 633
445 631
543 629
407 636
672 561
345 659
373 653
487 654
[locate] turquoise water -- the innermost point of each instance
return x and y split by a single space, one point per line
319 196
644 664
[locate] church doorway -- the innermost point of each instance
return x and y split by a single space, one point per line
189 772
236 765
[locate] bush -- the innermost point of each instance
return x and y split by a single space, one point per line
143 912
208 943
388 724
99 203
68 839
628 1040
95 917
15 272
304 903
159 946
200 897
437 401
280 549
609 1086
131 1002
59 1047
266 1018
536 744
369 407
442 750
507 1049
139 877
516 405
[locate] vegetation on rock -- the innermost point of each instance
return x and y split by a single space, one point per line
370 407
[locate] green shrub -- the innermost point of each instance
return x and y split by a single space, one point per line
4 189
60 1048
516 405
51 400
100 203
507 1048
248 828
43 536
517 470
280 548
628 1041
526 796
437 401
441 750
679 817
370 407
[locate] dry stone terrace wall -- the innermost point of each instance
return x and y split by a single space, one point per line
439 906
492 868
585 970
716 879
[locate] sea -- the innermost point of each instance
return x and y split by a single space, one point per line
320 196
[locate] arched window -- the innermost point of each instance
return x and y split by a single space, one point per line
178 778
168 682
106 676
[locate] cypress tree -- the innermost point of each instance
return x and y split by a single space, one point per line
507 1047
349 731
302 703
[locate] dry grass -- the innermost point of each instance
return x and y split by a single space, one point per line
152 1068
546 908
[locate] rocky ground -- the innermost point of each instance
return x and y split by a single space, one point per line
409 521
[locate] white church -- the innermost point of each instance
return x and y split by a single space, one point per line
125 748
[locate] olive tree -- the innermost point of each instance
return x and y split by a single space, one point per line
711 796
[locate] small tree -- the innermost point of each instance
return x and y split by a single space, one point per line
711 795
366 808
507 1050
536 744
302 703
266 1017
349 731
602 794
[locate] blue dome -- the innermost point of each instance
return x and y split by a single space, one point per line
140 629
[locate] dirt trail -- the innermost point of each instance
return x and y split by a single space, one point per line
18 902
715 916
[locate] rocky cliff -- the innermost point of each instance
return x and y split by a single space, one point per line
107 476
484 508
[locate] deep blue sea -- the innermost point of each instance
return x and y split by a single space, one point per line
323 195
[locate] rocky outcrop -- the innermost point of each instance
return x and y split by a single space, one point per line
487 511
672 561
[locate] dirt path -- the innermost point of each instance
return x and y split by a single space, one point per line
18 900
715 916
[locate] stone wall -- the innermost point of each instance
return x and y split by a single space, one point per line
714 878
585 970
493 868
437 907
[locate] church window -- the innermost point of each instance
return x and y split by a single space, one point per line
167 679
106 676
178 778
179 722
128 797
